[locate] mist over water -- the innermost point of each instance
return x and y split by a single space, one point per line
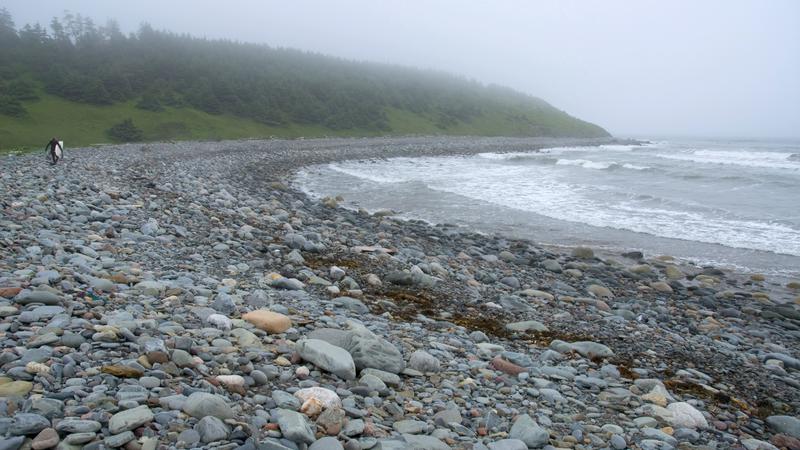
731 203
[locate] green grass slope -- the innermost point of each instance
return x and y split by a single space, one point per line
81 124
87 84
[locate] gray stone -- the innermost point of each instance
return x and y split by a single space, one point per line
508 444
40 314
552 265
118 440
182 358
79 438
12 443
656 434
294 426
224 304
618 442
211 429
582 253
27 423
589 349
370 351
289 284
44 297
72 340
286 400
511 282
48 407
417 442
423 361
354 427
410 426
527 325
447 416
514 304
755 444
373 383
189 436
351 304
130 419
787 360
326 443
201 404
528 431
785 424
327 357
78 426
399 278
389 378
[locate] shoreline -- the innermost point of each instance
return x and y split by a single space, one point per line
607 344
611 245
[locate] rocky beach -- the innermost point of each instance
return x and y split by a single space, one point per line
186 295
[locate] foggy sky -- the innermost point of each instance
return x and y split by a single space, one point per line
638 68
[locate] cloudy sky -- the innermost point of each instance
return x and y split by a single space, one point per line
639 68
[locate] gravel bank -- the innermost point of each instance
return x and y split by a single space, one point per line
184 296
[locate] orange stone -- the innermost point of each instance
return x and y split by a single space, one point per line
269 321
507 366
8 292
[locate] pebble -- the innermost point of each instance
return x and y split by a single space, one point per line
187 297
423 361
201 404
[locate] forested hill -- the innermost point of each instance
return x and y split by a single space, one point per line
88 83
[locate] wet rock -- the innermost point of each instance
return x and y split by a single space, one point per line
785 424
294 426
211 429
423 362
685 415
25 424
528 431
201 404
328 357
130 419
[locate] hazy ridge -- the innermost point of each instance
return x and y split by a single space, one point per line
77 79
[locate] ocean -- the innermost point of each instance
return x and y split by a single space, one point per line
725 203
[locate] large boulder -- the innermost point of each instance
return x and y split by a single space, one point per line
367 349
328 357
294 426
528 431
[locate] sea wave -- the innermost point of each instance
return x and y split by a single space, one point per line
766 160
570 203
506 156
588 164
362 174
636 167
585 163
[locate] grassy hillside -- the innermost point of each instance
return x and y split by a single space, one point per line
80 82
79 124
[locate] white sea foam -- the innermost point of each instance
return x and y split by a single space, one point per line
688 213
618 148
506 156
567 202
364 173
767 160
635 167
585 163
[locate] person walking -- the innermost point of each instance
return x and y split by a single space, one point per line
55 149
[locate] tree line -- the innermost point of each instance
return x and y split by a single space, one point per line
78 60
